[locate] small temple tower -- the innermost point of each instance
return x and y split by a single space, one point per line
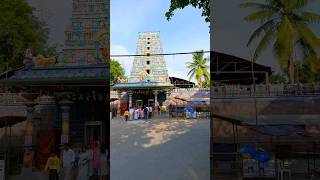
149 68
85 34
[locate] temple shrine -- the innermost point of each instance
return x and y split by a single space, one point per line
65 99
149 83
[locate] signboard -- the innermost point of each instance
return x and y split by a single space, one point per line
255 169
2 170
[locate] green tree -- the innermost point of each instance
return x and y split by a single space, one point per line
20 30
278 78
199 69
308 71
115 71
285 23
180 4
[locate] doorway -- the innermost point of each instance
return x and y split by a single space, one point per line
151 102
93 132
139 103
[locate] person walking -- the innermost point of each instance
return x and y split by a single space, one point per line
145 110
83 165
150 111
131 113
96 155
90 163
141 112
126 115
103 168
68 159
53 167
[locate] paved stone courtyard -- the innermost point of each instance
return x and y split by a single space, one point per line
160 149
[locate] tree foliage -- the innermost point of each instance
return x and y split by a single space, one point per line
278 78
285 24
199 69
180 4
115 71
20 30
308 71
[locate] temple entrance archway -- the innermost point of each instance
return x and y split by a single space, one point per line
93 132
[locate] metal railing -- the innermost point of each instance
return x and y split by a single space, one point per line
182 90
12 152
191 92
11 99
272 90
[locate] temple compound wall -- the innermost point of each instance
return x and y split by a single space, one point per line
271 111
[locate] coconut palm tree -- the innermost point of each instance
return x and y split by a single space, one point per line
285 24
199 68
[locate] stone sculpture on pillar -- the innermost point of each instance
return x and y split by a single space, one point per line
29 133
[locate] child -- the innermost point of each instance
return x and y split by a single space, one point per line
126 115
53 166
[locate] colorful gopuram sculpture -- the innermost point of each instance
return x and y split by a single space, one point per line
152 66
85 36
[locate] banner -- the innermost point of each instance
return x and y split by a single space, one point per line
46 141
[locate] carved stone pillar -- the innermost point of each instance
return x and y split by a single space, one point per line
29 133
65 106
155 92
130 93
119 104
28 139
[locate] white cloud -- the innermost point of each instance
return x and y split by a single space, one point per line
126 62
179 74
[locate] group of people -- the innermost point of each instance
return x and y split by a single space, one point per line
141 112
91 163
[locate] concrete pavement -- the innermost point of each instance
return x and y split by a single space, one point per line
160 149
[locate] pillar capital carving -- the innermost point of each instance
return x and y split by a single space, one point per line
130 93
29 96
63 96
65 102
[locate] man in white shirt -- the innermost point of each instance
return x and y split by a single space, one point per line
131 113
150 111
68 158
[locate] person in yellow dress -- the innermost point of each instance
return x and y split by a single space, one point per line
126 115
53 167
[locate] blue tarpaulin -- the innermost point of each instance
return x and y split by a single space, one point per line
189 109
262 156
197 101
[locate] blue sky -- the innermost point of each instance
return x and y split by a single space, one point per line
186 31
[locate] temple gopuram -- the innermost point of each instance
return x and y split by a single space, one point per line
149 83
65 100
